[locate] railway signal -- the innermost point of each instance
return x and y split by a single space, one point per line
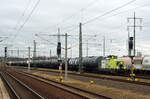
5 59
59 51
130 46
131 55
5 52
130 43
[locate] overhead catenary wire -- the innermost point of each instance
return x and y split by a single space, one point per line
20 18
73 27
46 40
72 15
73 46
29 16
22 15
80 10
108 12
27 19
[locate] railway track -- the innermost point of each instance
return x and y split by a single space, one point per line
51 89
78 90
147 77
143 77
17 89
101 77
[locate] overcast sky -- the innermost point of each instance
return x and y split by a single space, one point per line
49 15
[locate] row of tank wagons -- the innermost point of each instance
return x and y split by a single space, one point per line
38 63
89 63
92 63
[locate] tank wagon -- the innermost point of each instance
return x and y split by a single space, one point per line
90 64
146 64
138 66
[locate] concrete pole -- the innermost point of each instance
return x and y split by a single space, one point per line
134 32
80 47
71 51
87 49
58 35
66 65
50 53
129 51
28 59
104 46
12 53
18 52
34 53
